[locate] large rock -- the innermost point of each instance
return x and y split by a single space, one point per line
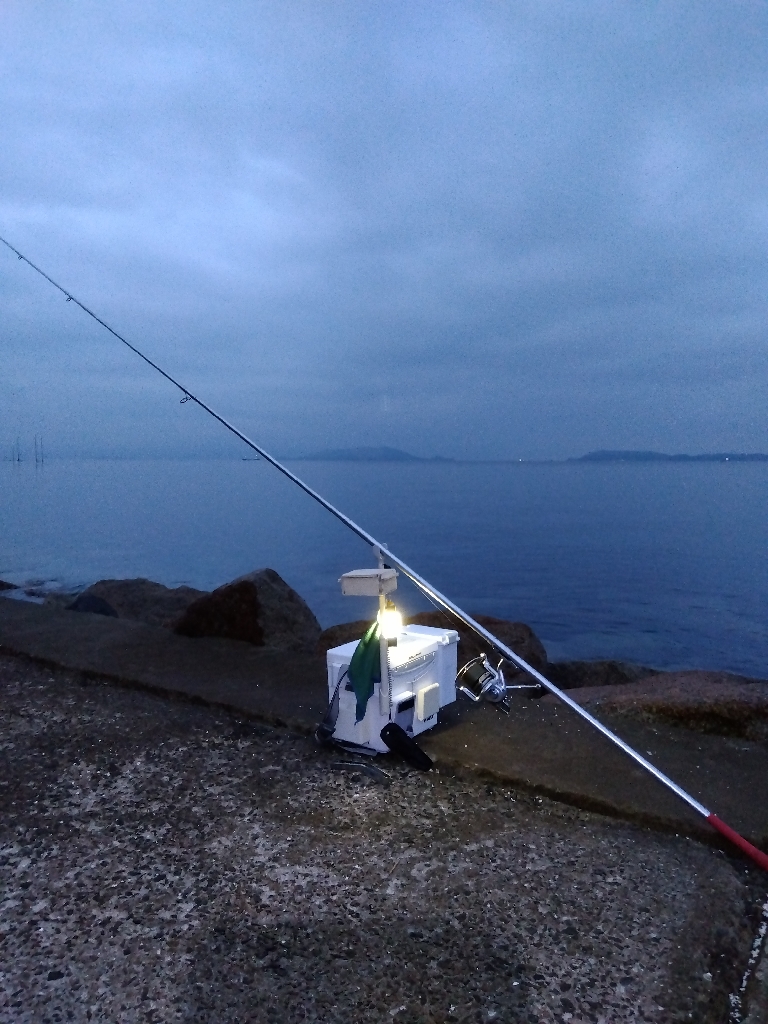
259 608
60 599
232 612
143 600
516 635
93 605
572 675
344 633
710 702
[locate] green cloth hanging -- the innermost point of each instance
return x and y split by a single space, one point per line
365 669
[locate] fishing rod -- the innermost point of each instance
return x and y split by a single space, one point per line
383 553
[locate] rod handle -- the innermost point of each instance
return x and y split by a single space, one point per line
760 858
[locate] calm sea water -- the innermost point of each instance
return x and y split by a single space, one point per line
664 565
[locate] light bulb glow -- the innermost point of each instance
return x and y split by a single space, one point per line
390 623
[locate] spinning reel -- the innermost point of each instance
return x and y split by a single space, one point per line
479 680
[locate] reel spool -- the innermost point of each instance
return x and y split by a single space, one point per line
479 680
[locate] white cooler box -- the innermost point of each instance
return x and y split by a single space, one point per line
422 671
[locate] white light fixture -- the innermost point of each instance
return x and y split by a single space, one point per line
390 622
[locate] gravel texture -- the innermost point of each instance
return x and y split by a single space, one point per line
162 861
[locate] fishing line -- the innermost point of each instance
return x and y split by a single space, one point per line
383 553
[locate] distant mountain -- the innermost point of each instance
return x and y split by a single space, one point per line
385 454
641 456
368 455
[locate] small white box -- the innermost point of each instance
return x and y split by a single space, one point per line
427 701
368 582
422 674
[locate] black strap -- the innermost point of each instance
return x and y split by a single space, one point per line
324 732
399 742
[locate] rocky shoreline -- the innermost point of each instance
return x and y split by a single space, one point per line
260 608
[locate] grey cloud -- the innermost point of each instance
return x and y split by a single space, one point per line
456 222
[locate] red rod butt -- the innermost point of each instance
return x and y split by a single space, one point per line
760 858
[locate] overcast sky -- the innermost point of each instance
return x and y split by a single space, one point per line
502 229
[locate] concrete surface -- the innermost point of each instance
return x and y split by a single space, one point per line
542 746
164 861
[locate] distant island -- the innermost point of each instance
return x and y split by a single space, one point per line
642 456
368 455
384 454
